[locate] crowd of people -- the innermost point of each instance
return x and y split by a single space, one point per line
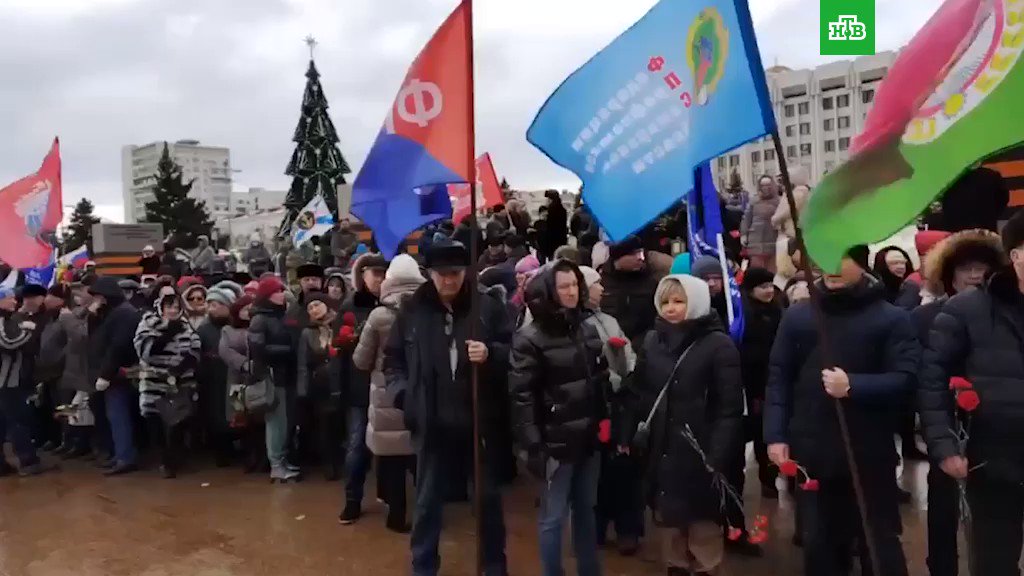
604 372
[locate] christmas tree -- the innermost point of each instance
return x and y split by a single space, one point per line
317 166
182 217
79 230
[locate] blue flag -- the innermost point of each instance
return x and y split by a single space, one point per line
704 226
680 87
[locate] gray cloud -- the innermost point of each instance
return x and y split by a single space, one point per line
114 72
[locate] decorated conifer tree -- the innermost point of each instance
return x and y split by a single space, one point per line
317 166
79 230
182 217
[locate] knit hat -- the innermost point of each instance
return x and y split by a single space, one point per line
754 277
527 264
317 297
925 240
590 276
230 286
251 287
705 267
222 295
186 282
698 294
237 307
628 246
568 253
268 287
403 268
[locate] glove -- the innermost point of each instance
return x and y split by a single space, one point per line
102 384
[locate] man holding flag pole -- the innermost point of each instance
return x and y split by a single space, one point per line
448 337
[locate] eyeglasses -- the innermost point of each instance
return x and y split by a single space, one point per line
196 299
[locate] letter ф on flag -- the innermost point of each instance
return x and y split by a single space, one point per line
952 98
313 220
682 86
30 211
425 141
487 187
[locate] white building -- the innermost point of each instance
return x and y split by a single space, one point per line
262 224
818 111
208 167
256 199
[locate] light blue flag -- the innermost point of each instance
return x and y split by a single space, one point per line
313 220
680 87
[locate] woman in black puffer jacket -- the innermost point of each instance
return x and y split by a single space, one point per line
559 381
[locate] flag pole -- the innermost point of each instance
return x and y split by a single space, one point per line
474 310
826 356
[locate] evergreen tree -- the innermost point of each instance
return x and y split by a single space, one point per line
79 230
735 182
182 217
317 166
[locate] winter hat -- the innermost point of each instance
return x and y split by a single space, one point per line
230 286
334 272
698 295
186 282
590 276
222 295
237 307
568 253
268 287
501 275
754 277
373 262
317 297
32 291
404 268
705 267
958 249
128 284
860 254
925 240
527 264
251 287
628 246
58 291
681 264
309 270
447 254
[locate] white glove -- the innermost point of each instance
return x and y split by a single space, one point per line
102 384
27 325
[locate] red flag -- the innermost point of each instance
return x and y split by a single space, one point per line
30 210
488 187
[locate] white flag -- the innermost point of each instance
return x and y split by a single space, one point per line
313 220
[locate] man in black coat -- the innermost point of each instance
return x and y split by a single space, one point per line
112 351
962 262
874 356
16 337
979 335
428 362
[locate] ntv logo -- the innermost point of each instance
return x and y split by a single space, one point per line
847 28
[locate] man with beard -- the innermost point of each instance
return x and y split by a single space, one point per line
874 357
213 372
111 352
429 359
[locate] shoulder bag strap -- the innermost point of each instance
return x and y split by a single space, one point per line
664 389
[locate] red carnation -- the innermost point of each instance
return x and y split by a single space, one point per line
332 351
761 521
757 537
348 318
604 431
960 383
789 468
617 342
735 534
346 330
811 485
968 400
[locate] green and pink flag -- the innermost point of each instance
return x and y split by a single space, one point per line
953 97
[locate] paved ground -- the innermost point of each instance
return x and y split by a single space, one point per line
222 523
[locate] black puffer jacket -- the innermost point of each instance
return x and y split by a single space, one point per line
979 335
706 394
874 342
111 346
558 378
761 324
271 345
629 298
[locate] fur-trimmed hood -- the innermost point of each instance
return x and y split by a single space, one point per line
366 260
967 246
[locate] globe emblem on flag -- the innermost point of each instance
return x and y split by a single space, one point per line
971 78
306 220
32 207
707 49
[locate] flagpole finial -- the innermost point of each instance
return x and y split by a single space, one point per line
312 43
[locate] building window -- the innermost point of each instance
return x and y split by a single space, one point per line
734 160
805 149
827 103
843 100
805 128
829 166
721 162
791 151
829 124
867 96
844 122
769 155
844 143
790 131
804 108
755 156
830 145
789 110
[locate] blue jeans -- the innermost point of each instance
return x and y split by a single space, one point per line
437 466
16 421
357 455
575 486
277 429
121 405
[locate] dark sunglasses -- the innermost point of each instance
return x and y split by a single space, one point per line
196 299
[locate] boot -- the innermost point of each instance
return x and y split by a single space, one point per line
283 475
396 520
50 446
121 468
75 453
351 513
35 469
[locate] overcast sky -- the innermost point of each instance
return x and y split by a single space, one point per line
105 73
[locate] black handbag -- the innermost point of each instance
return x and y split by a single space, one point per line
176 407
642 437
